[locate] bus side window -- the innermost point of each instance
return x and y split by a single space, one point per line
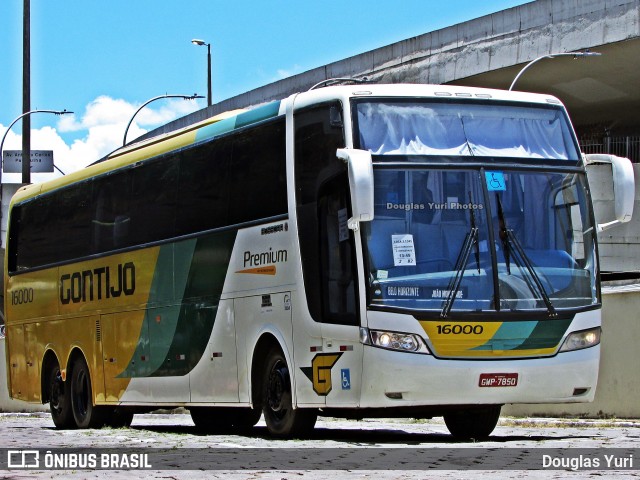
336 254
321 199
111 218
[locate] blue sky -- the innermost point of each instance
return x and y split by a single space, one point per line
103 59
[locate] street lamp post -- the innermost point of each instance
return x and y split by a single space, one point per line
586 53
184 97
27 178
197 41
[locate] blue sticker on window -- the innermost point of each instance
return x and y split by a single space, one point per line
345 375
495 181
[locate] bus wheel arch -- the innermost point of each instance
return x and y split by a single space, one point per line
272 387
85 413
56 392
49 362
264 345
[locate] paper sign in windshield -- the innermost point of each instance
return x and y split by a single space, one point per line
404 253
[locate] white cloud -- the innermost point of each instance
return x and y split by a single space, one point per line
101 129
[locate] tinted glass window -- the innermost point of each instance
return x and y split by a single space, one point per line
231 180
30 234
153 201
321 204
111 217
258 174
203 201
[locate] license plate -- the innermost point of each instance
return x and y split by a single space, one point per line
498 380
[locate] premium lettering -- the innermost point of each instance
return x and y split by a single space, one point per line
97 284
265 258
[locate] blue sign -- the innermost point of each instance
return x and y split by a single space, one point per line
345 376
495 181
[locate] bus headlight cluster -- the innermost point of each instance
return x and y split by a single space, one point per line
582 339
404 342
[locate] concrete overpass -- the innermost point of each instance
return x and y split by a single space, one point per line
601 93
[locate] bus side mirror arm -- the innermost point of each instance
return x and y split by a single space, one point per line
360 171
623 187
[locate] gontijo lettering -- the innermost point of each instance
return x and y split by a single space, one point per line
99 283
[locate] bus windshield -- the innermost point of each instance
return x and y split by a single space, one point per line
442 241
475 237
480 130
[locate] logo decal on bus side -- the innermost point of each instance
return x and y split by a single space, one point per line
79 286
320 372
268 270
263 263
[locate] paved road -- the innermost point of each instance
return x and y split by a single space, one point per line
380 450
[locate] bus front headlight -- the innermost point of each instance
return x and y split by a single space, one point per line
404 342
582 339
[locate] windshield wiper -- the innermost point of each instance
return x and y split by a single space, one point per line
510 240
504 236
461 263
473 227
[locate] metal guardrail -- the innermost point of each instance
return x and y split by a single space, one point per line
623 146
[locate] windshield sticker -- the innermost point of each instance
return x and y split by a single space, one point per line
343 230
382 274
495 181
404 253
413 292
435 292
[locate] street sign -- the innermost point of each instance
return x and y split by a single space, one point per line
41 161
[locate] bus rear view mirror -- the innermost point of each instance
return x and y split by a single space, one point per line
623 187
360 170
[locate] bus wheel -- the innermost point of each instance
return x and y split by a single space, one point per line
281 418
474 423
246 418
119 418
60 400
212 419
86 415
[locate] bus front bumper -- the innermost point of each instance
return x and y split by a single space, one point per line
398 379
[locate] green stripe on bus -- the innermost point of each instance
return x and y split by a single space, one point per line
527 335
547 334
256 115
264 112
510 335
200 302
191 275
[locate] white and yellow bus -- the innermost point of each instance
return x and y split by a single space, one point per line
352 251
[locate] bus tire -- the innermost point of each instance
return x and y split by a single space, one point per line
474 423
85 414
60 400
281 418
246 418
212 419
119 418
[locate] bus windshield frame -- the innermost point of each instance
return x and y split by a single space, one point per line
463 234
